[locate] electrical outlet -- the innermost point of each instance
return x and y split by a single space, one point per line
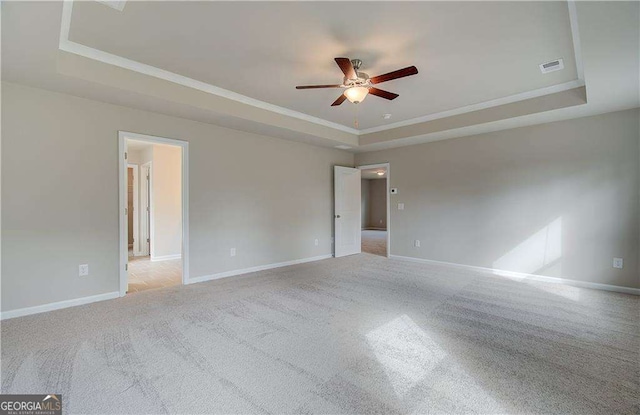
233 252
400 206
83 270
417 243
317 242
618 263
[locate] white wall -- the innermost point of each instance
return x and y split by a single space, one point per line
266 197
559 199
135 157
166 240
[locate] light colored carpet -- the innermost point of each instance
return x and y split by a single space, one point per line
374 242
360 334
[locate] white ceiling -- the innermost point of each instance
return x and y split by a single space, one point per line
135 145
431 36
372 174
467 53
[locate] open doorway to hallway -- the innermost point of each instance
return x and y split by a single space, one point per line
154 216
374 205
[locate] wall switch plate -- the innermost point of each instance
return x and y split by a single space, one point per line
393 191
618 263
317 242
83 270
400 206
233 252
417 243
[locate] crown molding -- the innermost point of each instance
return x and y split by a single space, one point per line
91 53
114 4
479 106
65 44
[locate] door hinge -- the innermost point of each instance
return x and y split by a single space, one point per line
126 267
147 208
148 240
125 211
125 155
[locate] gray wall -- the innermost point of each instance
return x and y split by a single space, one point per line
378 204
374 203
559 199
268 198
364 203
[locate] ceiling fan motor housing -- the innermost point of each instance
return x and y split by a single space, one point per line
362 77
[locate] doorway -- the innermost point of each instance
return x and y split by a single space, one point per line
145 209
154 206
132 206
375 214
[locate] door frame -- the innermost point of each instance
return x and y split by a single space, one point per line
146 215
122 164
136 214
387 167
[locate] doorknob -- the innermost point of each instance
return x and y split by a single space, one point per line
337 216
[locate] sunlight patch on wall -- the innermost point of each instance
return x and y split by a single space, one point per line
536 252
405 351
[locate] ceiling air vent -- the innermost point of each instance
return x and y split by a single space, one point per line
552 66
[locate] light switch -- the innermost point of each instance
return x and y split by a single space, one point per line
400 206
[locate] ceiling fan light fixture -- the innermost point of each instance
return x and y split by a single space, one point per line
356 94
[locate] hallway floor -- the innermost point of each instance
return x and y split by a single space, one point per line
374 242
146 275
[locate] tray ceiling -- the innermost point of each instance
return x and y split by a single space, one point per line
467 53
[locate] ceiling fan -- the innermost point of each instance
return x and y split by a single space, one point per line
358 84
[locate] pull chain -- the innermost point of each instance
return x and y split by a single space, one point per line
355 119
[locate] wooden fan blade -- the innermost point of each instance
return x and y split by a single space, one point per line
400 73
383 94
339 101
317 86
346 67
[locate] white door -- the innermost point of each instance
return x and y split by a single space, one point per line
145 209
347 211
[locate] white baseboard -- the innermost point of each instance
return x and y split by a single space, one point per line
58 305
522 275
255 269
165 257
